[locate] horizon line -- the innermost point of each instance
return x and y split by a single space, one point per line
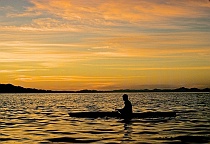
117 90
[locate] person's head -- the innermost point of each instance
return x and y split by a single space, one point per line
125 97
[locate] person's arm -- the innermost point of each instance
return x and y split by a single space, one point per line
120 110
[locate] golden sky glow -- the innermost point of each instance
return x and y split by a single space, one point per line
105 44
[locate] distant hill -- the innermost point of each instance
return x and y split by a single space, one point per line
182 89
9 88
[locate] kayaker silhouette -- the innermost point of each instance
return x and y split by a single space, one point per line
126 111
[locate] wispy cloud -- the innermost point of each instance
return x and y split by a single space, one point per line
104 44
19 70
75 82
48 59
31 45
162 68
43 25
83 15
120 10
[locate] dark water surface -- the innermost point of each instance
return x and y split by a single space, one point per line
43 118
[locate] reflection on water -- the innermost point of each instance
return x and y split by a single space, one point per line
43 118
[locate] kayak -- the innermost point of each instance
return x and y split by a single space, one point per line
118 115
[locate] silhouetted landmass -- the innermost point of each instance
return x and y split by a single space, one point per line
182 89
9 88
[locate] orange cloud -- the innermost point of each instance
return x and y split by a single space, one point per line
118 10
77 16
73 82
103 43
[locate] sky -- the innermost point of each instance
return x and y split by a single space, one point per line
105 44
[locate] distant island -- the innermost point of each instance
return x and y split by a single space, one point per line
9 88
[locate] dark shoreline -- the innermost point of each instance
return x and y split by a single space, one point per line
9 88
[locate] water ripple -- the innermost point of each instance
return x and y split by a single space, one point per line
43 118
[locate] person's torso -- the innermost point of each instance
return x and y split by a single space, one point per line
128 106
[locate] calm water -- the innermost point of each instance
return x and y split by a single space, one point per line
43 118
